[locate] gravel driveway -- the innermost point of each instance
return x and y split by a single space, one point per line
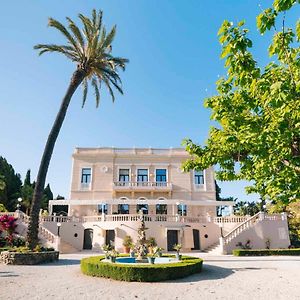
223 277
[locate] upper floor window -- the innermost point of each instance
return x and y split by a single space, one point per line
143 208
161 175
198 177
86 174
142 175
102 208
181 209
161 209
123 209
124 175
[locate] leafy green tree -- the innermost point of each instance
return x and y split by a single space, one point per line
91 50
48 195
2 208
221 207
242 208
2 183
27 194
11 185
257 110
27 180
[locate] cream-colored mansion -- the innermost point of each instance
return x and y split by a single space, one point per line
112 187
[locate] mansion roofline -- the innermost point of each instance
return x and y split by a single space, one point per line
131 151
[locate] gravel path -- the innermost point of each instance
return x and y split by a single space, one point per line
223 277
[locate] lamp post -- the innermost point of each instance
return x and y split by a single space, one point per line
19 204
58 228
221 225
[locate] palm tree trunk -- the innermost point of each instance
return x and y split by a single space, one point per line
33 227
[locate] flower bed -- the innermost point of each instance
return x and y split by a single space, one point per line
266 252
27 258
93 266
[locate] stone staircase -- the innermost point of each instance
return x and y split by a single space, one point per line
214 249
64 247
47 238
220 246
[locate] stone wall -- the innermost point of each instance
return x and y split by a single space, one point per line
15 258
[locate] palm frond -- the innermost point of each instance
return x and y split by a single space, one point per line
56 24
85 91
77 33
68 51
88 28
97 92
108 40
115 84
109 89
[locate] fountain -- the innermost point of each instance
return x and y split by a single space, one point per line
142 241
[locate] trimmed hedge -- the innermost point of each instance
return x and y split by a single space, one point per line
93 266
266 252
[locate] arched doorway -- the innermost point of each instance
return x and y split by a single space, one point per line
88 239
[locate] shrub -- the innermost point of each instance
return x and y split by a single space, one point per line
266 252
151 242
141 272
127 242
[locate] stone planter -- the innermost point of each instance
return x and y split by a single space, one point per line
112 259
31 258
178 256
151 260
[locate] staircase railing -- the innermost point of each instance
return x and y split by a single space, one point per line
44 233
242 227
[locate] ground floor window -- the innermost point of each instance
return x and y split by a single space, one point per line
143 208
161 209
181 209
123 209
102 208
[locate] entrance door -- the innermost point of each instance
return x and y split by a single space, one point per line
172 239
88 239
196 237
110 238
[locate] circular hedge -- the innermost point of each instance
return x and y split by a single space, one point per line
93 266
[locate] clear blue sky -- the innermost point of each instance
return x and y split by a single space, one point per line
174 63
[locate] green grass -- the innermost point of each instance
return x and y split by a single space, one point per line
93 266
266 252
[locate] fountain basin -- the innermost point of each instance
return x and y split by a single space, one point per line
165 268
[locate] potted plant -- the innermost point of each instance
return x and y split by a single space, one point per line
152 254
127 241
106 249
159 251
177 248
151 243
113 254
132 250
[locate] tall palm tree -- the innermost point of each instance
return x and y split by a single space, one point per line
90 49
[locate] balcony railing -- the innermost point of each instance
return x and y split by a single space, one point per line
134 185
150 218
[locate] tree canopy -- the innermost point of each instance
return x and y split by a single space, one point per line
11 185
257 110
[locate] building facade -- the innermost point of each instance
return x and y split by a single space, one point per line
112 187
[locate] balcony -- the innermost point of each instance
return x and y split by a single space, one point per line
153 218
125 186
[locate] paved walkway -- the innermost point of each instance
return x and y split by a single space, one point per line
223 277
